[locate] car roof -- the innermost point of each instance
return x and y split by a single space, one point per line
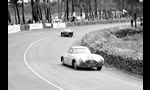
79 47
67 29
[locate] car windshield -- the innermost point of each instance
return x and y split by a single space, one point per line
81 50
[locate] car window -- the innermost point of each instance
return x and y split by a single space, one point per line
80 50
70 50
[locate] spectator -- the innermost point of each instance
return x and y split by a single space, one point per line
30 21
73 19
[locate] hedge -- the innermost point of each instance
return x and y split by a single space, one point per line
69 24
97 42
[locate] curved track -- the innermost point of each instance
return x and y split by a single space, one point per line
34 64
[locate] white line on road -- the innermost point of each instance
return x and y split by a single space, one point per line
25 60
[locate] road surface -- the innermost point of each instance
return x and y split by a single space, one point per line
34 63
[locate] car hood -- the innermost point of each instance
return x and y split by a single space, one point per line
85 57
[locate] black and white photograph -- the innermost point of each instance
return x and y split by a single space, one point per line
75 44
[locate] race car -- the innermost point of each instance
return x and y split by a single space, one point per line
81 57
67 32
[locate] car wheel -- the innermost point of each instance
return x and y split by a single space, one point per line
62 35
62 60
99 68
70 35
75 65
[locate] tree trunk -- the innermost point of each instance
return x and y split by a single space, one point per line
67 9
45 9
50 17
85 10
95 8
135 17
58 9
72 6
40 12
80 10
32 10
17 12
115 15
9 18
90 10
23 18
61 6
100 14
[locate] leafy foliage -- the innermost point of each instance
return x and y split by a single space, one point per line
125 52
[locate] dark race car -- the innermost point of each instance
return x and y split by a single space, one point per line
67 32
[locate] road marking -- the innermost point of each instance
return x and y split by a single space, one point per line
25 60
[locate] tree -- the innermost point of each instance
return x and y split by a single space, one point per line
58 1
14 2
49 12
9 18
23 18
95 8
67 10
72 6
61 6
33 16
17 11
37 10
45 7
85 9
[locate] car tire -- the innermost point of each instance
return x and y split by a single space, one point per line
62 35
70 35
99 68
74 65
62 60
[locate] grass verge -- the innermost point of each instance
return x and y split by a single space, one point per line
121 47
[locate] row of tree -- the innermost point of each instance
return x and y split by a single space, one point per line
91 8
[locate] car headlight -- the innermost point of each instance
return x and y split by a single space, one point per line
80 60
102 60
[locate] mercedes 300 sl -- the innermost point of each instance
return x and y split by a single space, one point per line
81 57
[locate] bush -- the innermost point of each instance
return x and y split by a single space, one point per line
119 53
24 27
95 22
127 64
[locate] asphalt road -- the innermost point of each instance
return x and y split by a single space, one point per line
34 64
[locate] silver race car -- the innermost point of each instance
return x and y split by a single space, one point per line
81 57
